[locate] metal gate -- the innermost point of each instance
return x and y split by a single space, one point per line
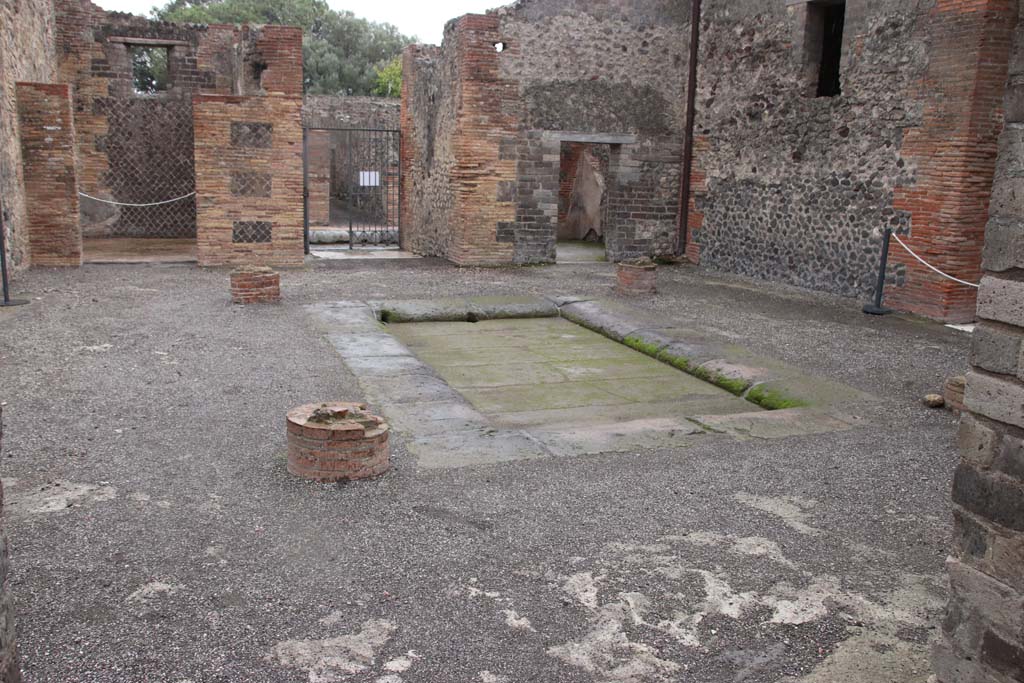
352 186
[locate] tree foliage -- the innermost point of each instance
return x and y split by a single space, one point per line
342 53
389 78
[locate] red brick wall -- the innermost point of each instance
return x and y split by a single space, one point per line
954 152
280 48
235 166
698 189
488 112
51 192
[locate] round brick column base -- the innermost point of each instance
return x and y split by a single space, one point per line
634 279
337 442
255 285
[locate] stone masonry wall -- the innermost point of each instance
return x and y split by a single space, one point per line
983 634
47 132
796 188
607 68
792 187
428 119
27 53
10 671
249 180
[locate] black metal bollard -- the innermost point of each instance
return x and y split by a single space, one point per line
7 301
875 307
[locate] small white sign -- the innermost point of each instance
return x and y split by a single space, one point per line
369 178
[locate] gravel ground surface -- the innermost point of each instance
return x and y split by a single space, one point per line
158 537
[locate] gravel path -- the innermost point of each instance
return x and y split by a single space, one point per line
157 536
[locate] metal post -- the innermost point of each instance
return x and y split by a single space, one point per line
8 301
876 308
691 104
305 192
351 189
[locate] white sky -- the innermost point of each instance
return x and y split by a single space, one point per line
422 18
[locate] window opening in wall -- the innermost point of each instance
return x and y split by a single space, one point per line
150 68
833 17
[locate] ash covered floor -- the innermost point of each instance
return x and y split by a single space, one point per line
158 537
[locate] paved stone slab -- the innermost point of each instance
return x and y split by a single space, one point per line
777 424
370 344
434 417
610 414
475 447
510 374
540 397
415 388
619 436
387 366
633 366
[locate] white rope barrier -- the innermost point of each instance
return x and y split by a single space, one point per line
925 263
107 201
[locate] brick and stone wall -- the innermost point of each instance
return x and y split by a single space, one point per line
249 181
47 132
796 188
983 634
136 148
483 127
27 53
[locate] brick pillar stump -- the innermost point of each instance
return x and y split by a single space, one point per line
636 279
337 442
255 285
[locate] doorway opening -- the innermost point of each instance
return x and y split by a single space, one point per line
582 202
352 189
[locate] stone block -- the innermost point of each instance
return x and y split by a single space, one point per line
991 495
1002 655
1008 187
1014 103
995 397
980 603
996 349
1004 238
978 441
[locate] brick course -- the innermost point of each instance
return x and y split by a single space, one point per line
351 445
255 285
218 160
48 152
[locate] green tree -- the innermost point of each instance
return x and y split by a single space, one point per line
389 78
342 53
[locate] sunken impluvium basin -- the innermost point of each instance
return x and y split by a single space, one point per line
330 442
492 379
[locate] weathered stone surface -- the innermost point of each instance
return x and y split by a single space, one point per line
991 495
995 397
593 316
996 349
1004 238
978 441
981 604
1001 300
